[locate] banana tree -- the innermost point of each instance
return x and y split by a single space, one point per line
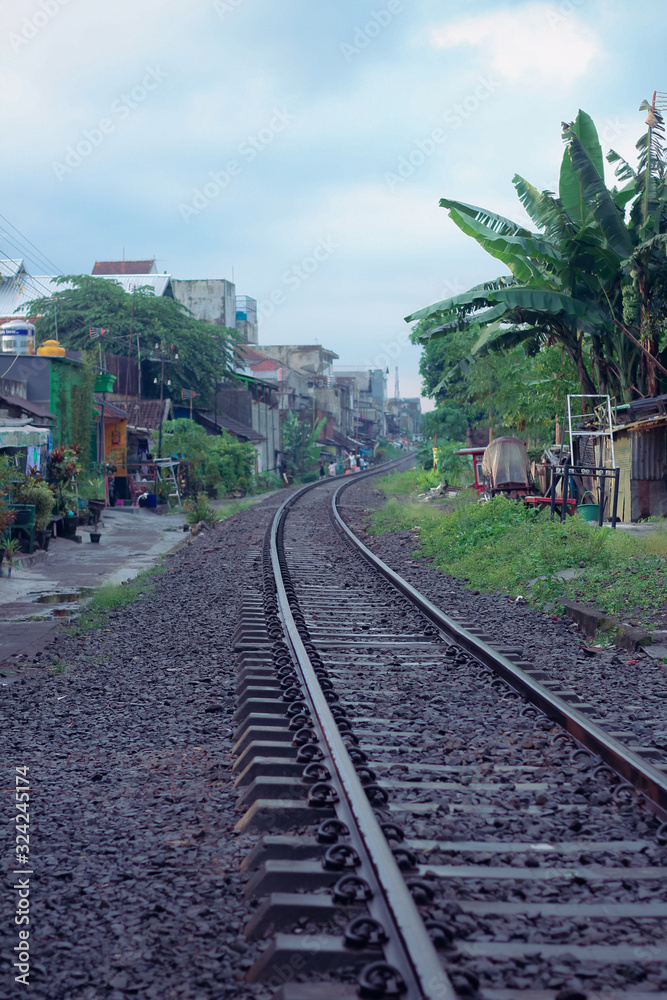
645 281
566 281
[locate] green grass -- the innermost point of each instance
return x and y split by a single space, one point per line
228 509
503 546
411 482
58 666
111 596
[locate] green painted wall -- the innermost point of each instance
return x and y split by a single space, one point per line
64 374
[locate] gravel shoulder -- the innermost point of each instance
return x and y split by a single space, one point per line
127 734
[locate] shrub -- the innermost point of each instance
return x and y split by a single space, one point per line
41 497
268 481
198 509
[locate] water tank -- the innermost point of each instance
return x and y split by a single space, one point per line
17 337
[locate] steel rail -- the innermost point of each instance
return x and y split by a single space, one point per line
409 947
646 778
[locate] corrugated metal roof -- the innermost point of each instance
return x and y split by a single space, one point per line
28 406
10 268
235 427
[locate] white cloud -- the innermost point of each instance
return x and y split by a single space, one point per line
536 40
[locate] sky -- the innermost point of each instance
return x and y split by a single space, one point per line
300 147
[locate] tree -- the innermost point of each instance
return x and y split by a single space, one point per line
570 280
205 352
219 462
300 445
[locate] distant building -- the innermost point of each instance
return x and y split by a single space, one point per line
210 300
246 318
369 415
309 358
404 417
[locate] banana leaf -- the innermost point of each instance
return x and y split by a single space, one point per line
509 248
498 223
544 208
539 303
597 196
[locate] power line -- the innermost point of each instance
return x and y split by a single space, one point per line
44 259
8 238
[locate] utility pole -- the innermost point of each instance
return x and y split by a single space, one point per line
159 354
159 447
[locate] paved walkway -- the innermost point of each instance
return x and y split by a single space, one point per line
35 597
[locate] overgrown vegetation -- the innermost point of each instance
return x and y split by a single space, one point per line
218 464
386 452
198 508
300 445
504 546
585 302
111 596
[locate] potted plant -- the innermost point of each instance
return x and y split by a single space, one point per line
6 518
37 492
64 467
11 546
63 470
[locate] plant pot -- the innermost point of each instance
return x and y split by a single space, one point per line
151 500
70 524
25 513
104 382
95 536
43 536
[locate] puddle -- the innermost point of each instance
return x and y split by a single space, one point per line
60 605
69 597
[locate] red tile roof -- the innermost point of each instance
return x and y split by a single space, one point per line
124 267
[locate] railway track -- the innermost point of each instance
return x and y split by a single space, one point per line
431 820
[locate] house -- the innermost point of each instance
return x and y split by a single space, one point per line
51 390
640 452
210 300
246 318
370 405
112 444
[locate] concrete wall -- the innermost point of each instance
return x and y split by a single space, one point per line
34 371
297 355
266 421
211 300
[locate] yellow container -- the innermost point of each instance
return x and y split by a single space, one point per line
51 348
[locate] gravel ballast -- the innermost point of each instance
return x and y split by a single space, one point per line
628 689
136 891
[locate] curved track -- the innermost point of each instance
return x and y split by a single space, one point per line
428 803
